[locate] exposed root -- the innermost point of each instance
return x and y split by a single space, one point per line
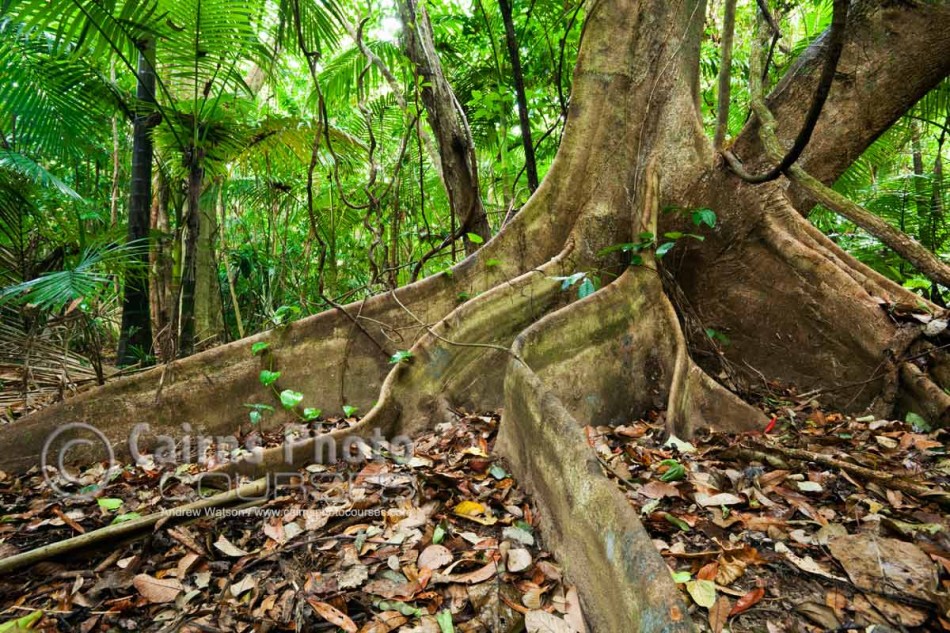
923 396
326 357
890 480
455 362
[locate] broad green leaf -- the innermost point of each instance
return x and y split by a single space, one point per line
349 411
438 534
474 238
679 577
444 618
402 356
21 624
259 347
109 503
586 289
310 414
128 516
269 377
664 248
290 398
704 216
917 421
674 470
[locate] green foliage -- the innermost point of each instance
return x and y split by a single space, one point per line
290 398
268 378
259 348
300 226
401 356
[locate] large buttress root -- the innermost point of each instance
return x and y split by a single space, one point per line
334 358
606 359
455 362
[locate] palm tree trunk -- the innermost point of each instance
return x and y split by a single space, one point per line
189 275
136 332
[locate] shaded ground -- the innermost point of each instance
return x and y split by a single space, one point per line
761 531
441 542
763 538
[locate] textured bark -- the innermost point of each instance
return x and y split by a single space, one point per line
160 272
894 54
209 318
797 308
136 331
186 328
447 120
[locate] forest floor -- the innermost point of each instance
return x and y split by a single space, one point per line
821 522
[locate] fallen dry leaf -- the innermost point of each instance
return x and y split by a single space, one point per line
747 601
434 557
332 615
537 621
157 590
719 614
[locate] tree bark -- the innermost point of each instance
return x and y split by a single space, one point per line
136 332
209 318
160 270
448 122
189 267
514 56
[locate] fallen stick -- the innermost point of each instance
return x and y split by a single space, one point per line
887 479
111 532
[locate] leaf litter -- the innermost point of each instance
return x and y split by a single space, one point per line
822 522
443 542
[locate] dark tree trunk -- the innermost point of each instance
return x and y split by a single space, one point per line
189 267
136 332
448 122
530 165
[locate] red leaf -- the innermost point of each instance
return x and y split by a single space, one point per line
771 425
747 601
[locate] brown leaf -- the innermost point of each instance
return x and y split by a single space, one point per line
729 570
479 575
719 614
332 615
384 622
747 601
157 590
819 614
434 557
228 548
537 621
658 490
873 562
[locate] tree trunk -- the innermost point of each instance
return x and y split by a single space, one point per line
160 269
189 265
514 56
209 318
798 309
456 148
135 338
